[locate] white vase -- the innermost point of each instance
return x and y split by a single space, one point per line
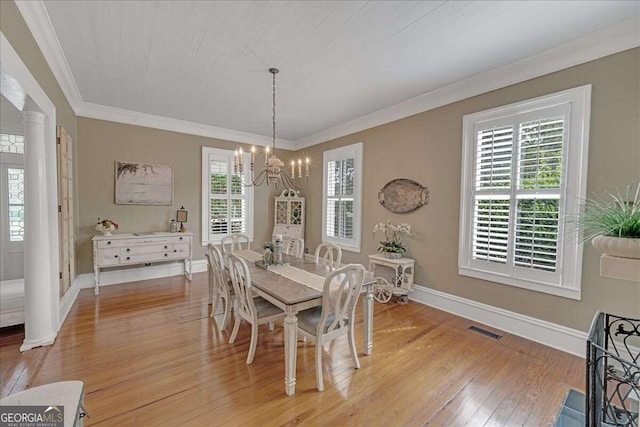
623 247
392 255
106 233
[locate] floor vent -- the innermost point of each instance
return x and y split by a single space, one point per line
485 332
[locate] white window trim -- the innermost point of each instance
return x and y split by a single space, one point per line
349 151
572 191
206 195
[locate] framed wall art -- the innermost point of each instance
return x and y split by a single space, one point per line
142 184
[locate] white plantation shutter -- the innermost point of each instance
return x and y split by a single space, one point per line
540 152
515 192
226 201
342 187
491 229
493 193
340 195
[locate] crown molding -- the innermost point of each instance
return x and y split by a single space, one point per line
113 114
608 41
37 19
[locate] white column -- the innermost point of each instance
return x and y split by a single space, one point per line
39 326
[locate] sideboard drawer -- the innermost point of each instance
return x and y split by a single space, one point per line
182 249
107 244
146 249
140 258
109 256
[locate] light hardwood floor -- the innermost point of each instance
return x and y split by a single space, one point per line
150 355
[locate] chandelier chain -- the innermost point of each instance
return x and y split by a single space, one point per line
274 111
274 171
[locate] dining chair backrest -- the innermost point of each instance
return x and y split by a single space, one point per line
294 247
339 298
328 254
217 267
219 278
234 242
241 280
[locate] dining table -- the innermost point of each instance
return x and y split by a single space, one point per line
297 286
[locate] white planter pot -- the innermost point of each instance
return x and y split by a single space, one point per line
622 247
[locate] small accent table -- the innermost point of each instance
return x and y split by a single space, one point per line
393 276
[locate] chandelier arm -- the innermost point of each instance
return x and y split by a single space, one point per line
258 180
287 182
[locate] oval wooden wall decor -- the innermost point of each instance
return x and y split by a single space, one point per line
403 195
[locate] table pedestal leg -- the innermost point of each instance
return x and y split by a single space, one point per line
368 320
290 351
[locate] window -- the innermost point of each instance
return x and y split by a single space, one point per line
227 205
15 184
12 183
10 143
524 170
342 196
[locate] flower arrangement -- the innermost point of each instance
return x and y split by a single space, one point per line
393 235
106 226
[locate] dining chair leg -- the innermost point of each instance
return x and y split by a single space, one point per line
227 313
319 380
210 279
254 343
352 347
214 306
236 327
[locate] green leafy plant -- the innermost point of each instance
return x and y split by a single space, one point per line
618 217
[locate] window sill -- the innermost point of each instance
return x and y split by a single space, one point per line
560 291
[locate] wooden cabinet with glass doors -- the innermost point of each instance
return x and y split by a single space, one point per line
289 215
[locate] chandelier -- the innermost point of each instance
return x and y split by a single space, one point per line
274 171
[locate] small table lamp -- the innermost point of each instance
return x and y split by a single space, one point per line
181 217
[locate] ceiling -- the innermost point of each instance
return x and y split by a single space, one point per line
207 62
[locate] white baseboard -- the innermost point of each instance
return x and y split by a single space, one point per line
155 271
547 333
68 299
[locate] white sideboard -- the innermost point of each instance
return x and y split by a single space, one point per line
141 248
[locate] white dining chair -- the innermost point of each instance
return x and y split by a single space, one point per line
328 254
335 318
294 247
233 242
254 309
219 285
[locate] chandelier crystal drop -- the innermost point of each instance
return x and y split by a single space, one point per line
274 171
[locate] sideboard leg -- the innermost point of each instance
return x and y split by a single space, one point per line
96 278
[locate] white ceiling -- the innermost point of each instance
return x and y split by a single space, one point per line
207 62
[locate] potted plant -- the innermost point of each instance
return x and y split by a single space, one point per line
392 246
613 226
